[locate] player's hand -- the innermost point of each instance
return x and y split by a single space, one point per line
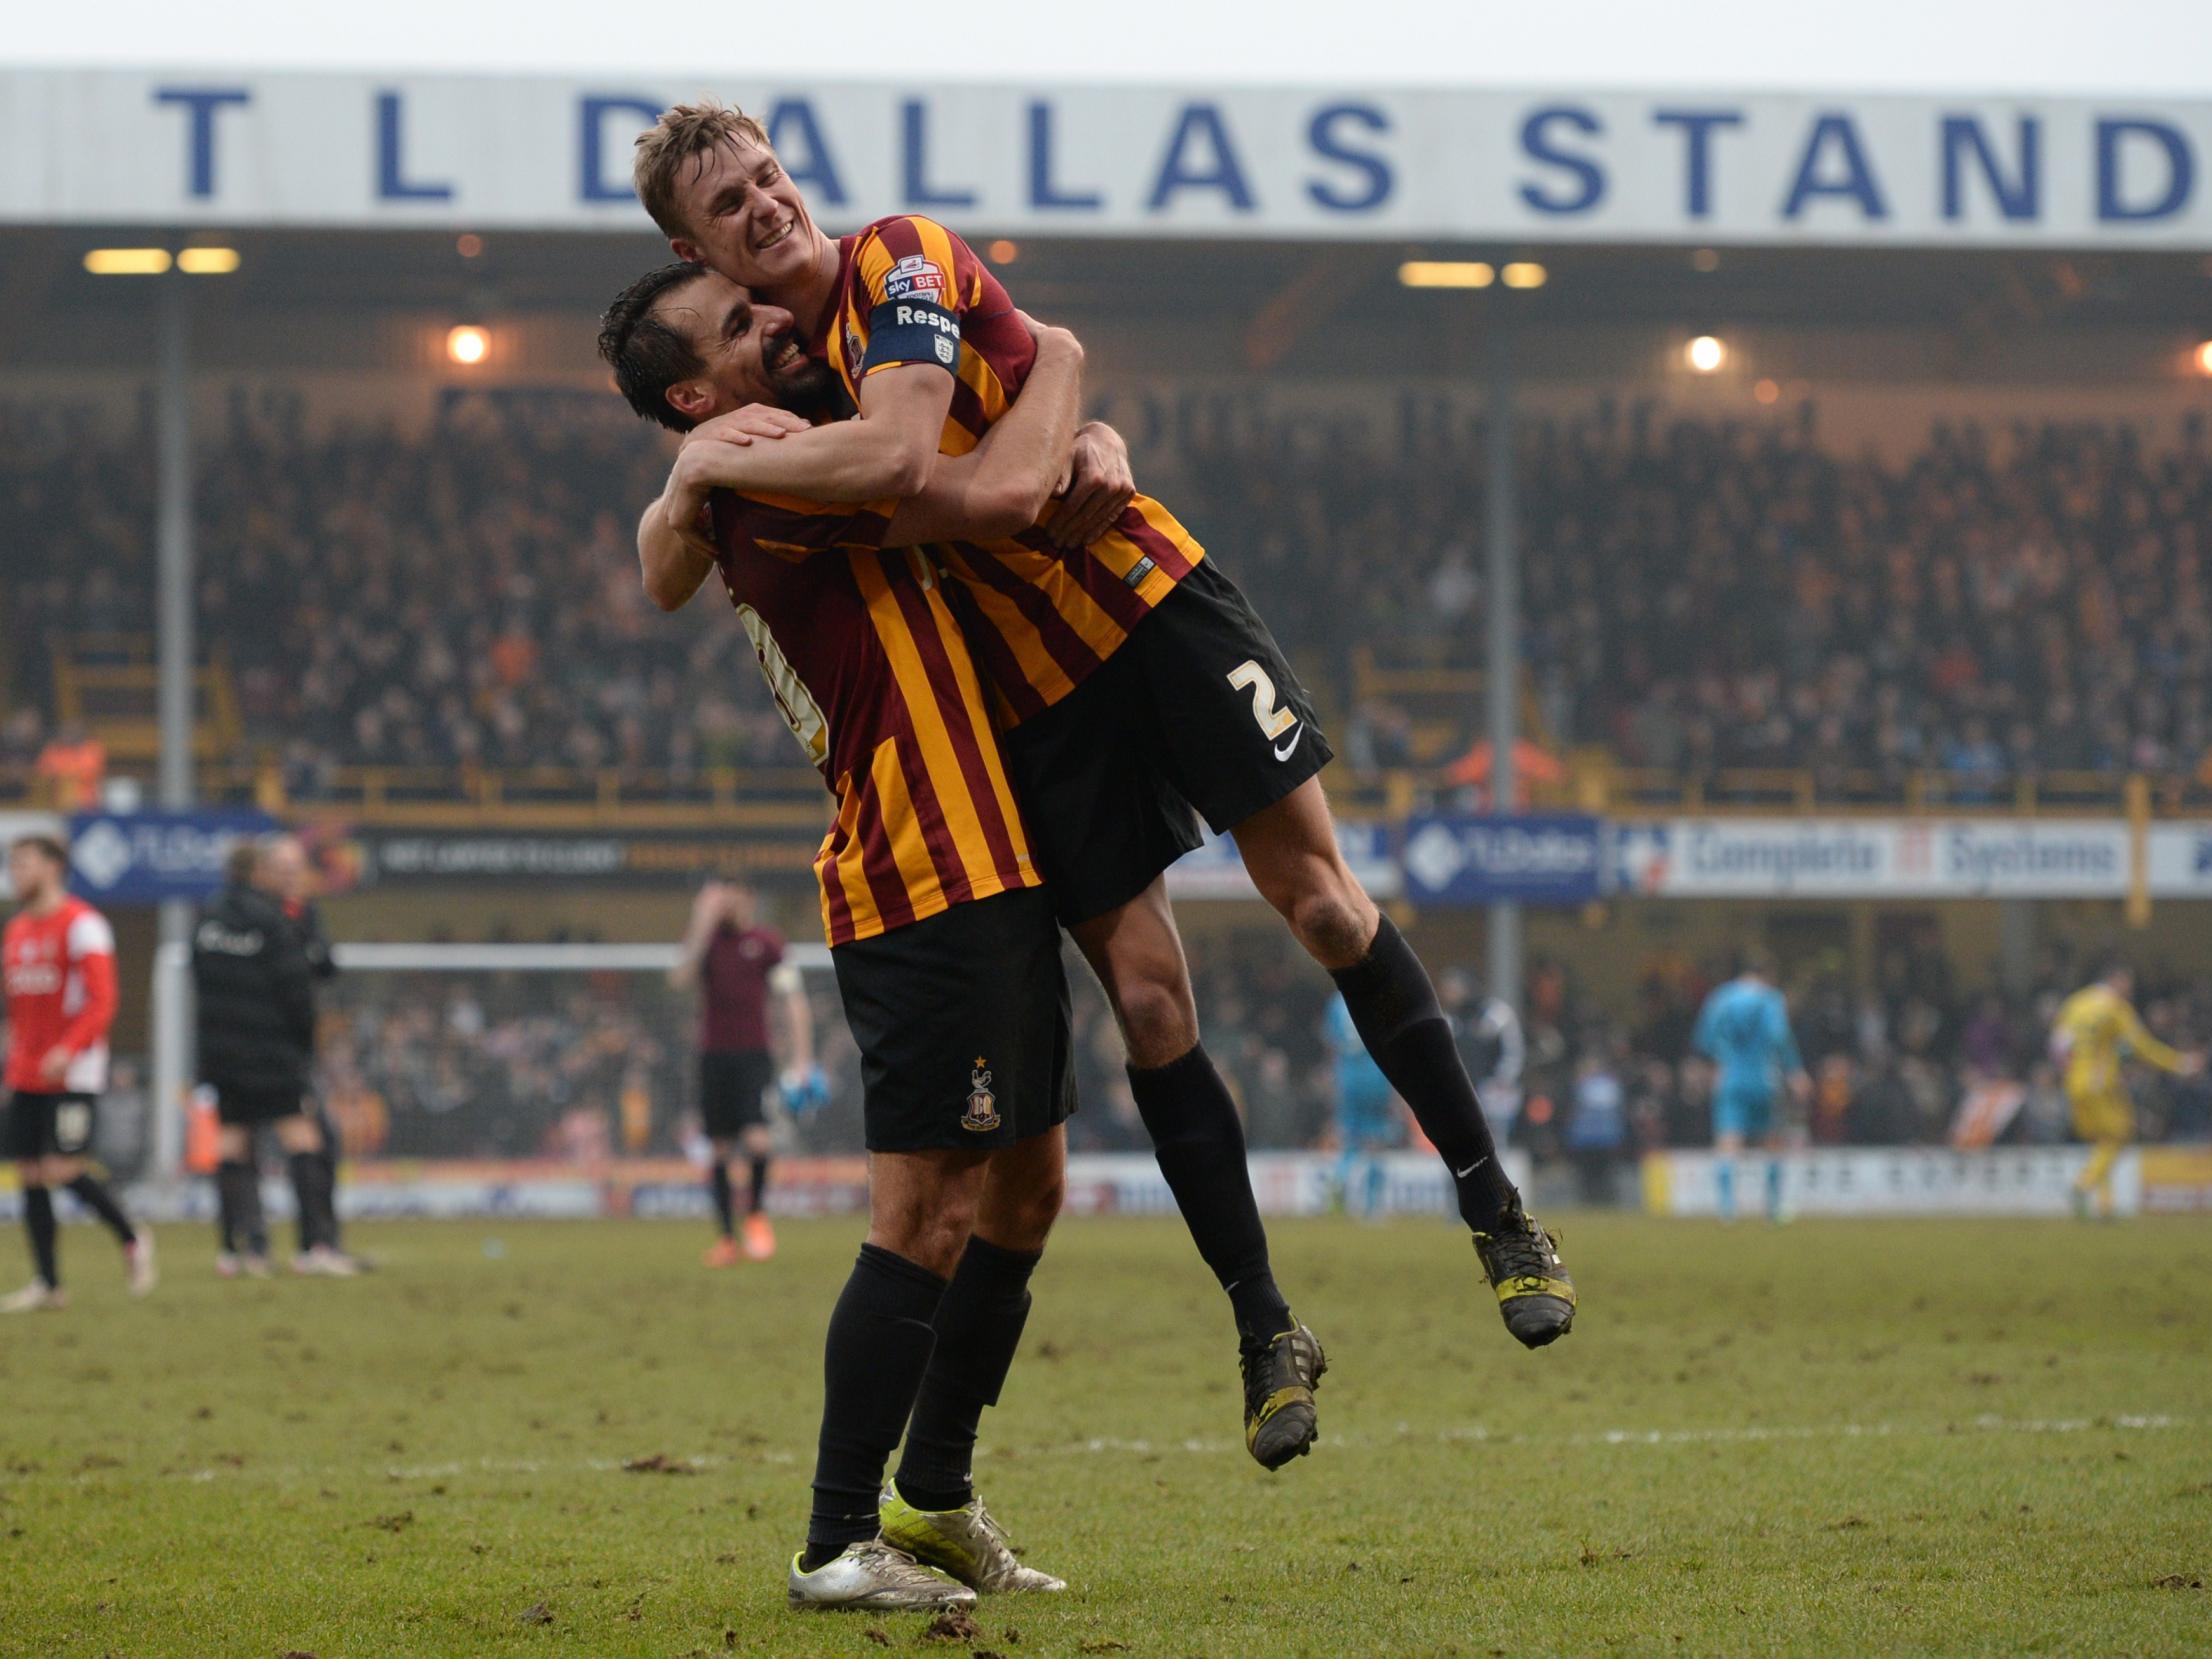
742 426
1100 485
54 1063
2192 1065
1801 1087
707 904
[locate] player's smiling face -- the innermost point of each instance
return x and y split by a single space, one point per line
750 352
748 218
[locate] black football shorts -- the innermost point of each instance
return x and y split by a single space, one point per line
1197 715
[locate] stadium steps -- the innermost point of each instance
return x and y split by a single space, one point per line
110 683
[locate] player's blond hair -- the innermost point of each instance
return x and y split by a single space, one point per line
683 133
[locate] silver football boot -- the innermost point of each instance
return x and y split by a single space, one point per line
966 1543
872 1576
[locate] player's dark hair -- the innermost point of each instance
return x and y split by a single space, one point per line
648 356
243 860
1755 959
47 844
2113 962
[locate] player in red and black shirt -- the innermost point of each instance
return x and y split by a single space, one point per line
1184 707
941 931
738 965
59 956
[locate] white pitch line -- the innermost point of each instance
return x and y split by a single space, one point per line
1106 1445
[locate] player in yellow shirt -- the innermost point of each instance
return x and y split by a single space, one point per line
2095 1028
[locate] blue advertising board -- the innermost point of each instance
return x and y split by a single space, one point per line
1526 859
148 857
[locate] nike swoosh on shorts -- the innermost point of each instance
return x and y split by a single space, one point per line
1284 752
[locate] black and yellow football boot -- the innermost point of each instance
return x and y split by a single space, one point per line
1536 1294
1280 1375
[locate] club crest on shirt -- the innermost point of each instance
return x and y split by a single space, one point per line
982 1113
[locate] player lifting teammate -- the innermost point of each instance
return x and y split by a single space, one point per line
59 956
1140 690
941 933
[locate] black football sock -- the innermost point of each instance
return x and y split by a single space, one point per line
760 1183
303 1168
95 1197
240 1184
1199 1141
718 1194
879 1343
311 1184
1399 1019
330 1153
38 1221
979 1325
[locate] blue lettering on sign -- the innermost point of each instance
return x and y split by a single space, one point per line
814 172
391 185
1042 193
1321 134
2020 196
2181 171
1698 127
593 185
1537 144
201 103
1838 132
914 118
1200 127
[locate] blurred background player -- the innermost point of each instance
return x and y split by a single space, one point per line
255 992
1491 1046
1367 1121
60 977
737 965
1744 1029
292 880
2095 1028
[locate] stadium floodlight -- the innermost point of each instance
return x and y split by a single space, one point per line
1705 353
468 244
1524 273
1446 273
1767 391
127 261
2204 358
1706 260
468 345
1004 251
208 261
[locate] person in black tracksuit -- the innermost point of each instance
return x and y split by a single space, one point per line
293 882
256 1001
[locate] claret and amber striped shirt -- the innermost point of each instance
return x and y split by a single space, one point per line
1038 619
870 672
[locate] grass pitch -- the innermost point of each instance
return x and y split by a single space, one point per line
1832 1438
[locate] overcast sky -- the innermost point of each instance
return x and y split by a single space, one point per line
2100 46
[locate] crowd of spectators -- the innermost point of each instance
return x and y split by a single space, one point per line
1699 595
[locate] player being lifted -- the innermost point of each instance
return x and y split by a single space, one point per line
1744 1029
941 934
59 956
2095 1027
1138 690
738 965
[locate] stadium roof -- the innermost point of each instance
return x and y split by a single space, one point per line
1969 46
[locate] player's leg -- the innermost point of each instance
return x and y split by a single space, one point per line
760 1236
1772 1163
238 1187
309 1171
333 1150
44 1291
719 1119
67 1169
2105 1119
1728 1143
881 1334
930 1509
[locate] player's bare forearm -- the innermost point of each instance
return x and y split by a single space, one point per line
1000 487
673 557
889 451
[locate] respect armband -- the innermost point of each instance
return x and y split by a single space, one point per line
911 331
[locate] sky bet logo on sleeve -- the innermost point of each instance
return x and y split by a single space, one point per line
915 278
